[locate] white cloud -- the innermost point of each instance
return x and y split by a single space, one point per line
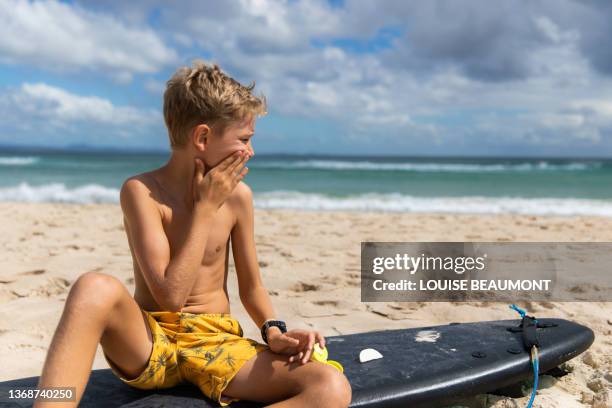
58 36
38 113
42 100
601 108
548 28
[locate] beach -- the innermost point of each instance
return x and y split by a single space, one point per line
310 263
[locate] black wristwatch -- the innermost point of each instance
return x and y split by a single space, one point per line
278 323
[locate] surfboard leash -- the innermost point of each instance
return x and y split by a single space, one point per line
536 368
529 325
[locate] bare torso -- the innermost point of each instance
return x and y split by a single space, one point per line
209 293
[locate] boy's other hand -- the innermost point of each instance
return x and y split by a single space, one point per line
298 343
214 187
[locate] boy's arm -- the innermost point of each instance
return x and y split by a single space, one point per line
169 281
298 343
253 295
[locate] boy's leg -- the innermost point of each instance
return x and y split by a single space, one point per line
99 309
268 377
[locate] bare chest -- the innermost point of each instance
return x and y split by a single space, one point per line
177 221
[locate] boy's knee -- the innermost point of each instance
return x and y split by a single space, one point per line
95 289
340 391
332 387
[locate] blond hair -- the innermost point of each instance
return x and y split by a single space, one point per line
202 94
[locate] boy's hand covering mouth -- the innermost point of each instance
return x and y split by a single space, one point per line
298 343
214 187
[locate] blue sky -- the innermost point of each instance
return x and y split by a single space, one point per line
341 77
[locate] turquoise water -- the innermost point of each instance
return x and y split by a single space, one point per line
538 186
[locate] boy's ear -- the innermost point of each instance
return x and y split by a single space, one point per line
200 136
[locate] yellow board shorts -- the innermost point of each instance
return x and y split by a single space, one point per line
206 349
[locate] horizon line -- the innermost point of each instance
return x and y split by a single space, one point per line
12 148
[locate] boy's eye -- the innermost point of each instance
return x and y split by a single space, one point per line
244 140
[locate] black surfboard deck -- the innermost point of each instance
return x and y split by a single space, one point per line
458 361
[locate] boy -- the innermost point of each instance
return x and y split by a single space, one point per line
179 220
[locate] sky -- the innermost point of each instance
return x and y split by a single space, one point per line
455 77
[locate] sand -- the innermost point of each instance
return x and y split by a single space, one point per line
310 264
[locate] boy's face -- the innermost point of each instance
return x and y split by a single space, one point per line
236 136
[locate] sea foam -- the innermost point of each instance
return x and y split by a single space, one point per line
426 167
17 161
392 202
395 202
59 193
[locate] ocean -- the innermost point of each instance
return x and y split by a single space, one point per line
309 182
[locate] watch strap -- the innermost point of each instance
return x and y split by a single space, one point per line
269 323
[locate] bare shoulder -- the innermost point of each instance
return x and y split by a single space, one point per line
241 200
138 188
137 185
242 194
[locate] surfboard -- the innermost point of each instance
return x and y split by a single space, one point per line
421 367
